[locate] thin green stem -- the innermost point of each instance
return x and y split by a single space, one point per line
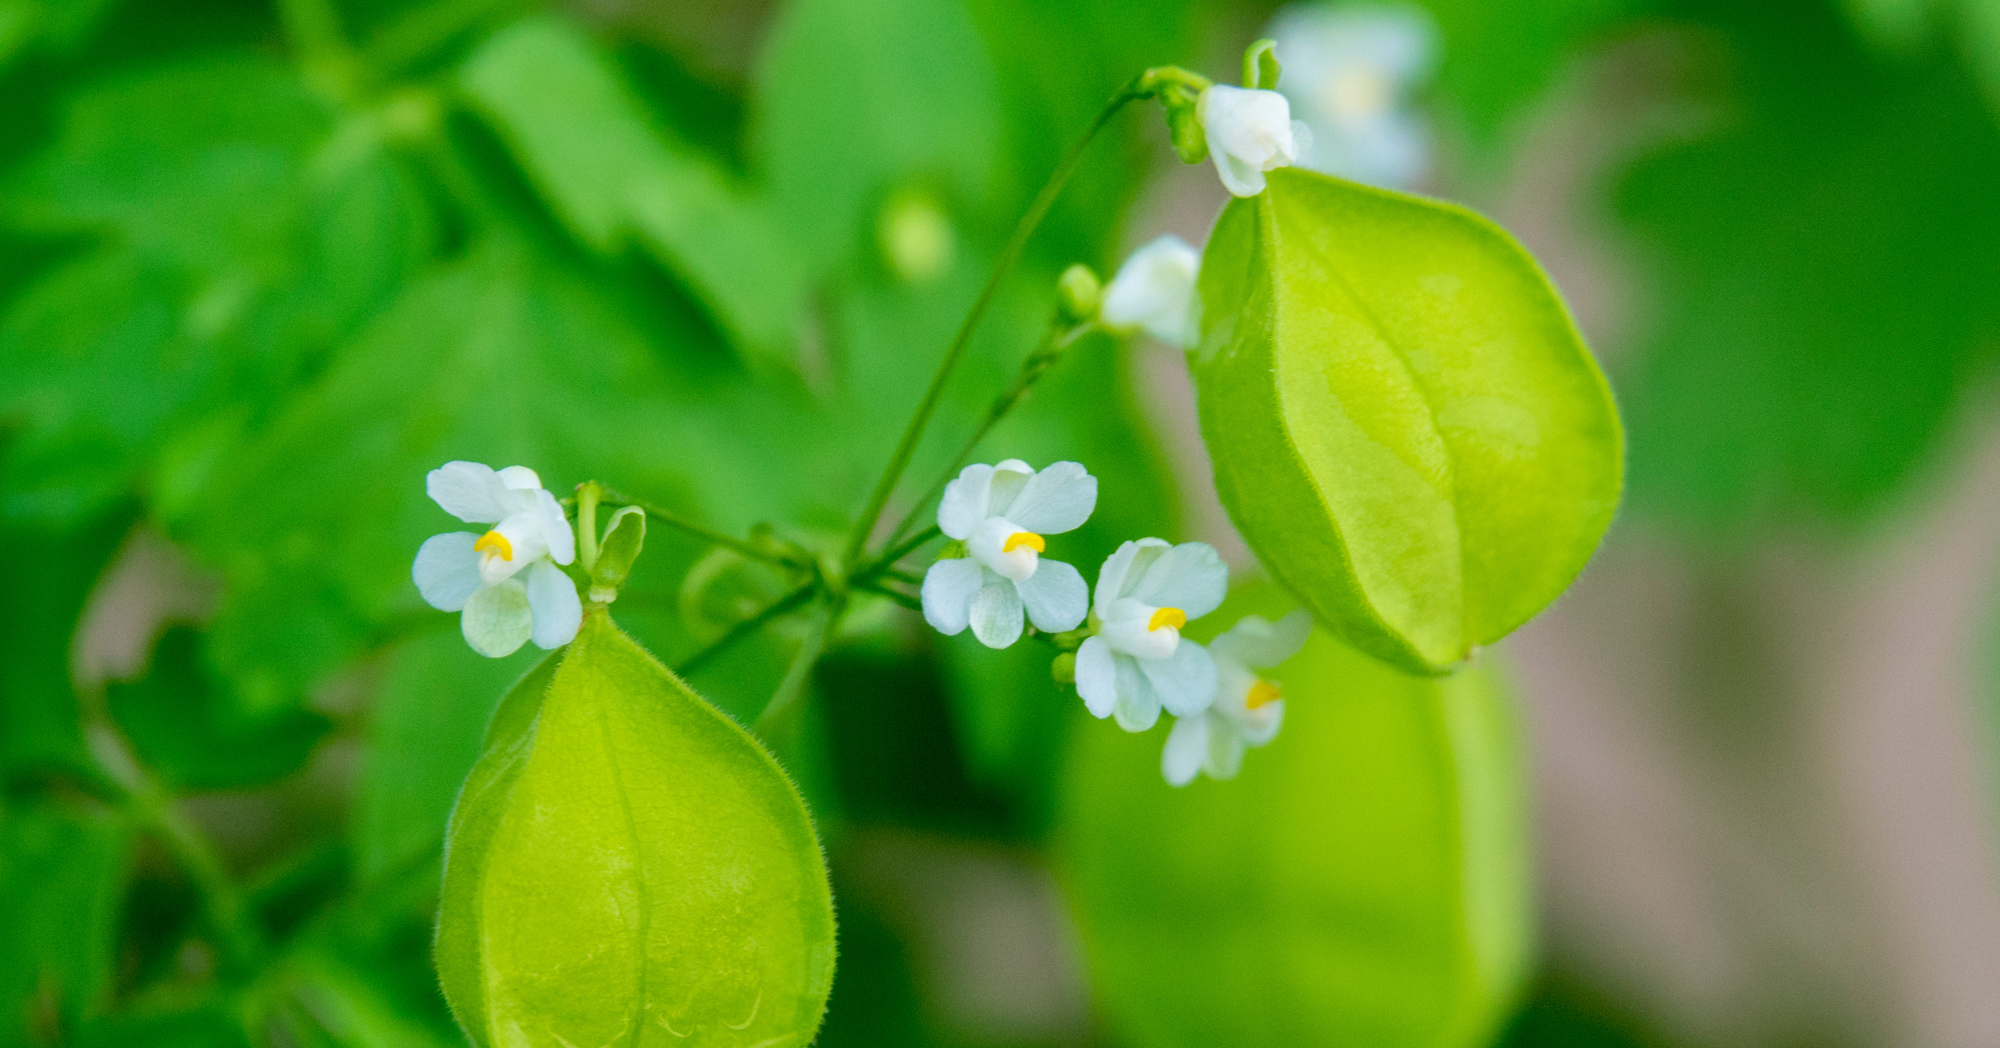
864 525
731 542
147 801
587 495
779 722
1032 370
782 606
906 600
881 565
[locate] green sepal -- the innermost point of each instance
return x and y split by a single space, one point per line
624 537
626 858
1260 66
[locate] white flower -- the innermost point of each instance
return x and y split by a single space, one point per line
506 580
1001 513
1248 709
1348 73
1249 132
1137 662
1155 290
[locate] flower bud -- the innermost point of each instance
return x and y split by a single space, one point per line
624 537
1063 669
1078 294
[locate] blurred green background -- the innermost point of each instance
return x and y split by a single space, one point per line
262 265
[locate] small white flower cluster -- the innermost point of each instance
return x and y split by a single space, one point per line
506 581
1134 664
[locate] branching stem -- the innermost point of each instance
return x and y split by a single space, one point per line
864 525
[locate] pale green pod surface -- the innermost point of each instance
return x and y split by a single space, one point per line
1365 879
1405 424
627 866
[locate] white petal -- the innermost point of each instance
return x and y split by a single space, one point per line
1184 681
1302 142
553 600
1225 750
555 528
1187 747
1009 478
525 543
497 620
988 546
1112 577
996 614
1055 596
1055 500
1191 577
949 587
1156 290
1137 708
965 500
519 478
1240 178
1256 641
1096 678
1261 725
470 491
447 570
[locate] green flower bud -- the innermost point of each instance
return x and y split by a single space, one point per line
624 537
916 237
1078 293
1063 669
1260 66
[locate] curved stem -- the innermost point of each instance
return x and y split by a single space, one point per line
864 525
787 603
880 565
731 542
779 722
1037 365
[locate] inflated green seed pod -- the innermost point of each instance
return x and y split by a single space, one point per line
627 866
1405 425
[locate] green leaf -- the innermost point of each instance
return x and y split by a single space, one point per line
585 138
184 724
1499 57
424 733
1365 880
41 722
61 874
627 862
1821 303
858 97
498 358
1404 423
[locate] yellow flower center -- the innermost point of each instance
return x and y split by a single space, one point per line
1263 693
1174 617
496 542
1024 538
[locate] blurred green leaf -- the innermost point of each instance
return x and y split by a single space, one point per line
233 255
1366 880
198 162
203 1026
40 721
586 139
61 873
631 856
856 98
1498 58
350 1003
184 724
424 733
499 358
1822 269
1404 422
